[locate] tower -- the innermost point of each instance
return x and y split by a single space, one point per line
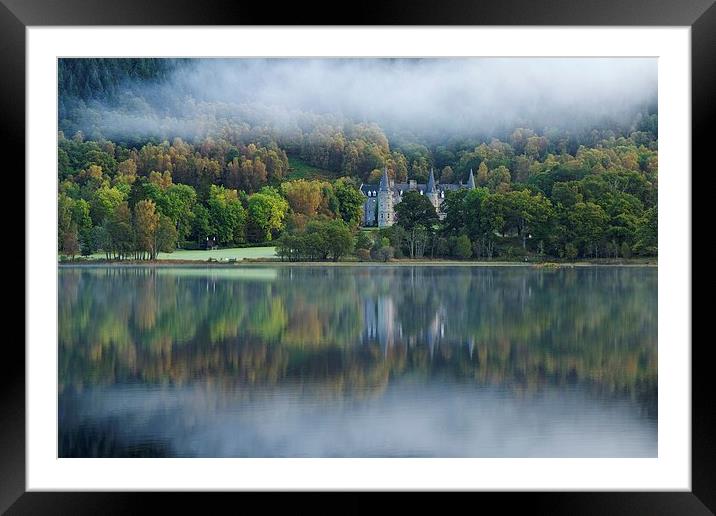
385 201
471 181
432 191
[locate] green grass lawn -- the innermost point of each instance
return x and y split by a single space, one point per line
299 169
238 253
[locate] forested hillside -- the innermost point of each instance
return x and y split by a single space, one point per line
545 191
101 78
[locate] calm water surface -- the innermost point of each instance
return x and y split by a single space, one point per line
357 362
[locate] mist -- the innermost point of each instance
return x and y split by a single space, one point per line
458 421
432 98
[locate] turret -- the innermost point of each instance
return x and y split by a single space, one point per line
471 181
385 201
384 183
432 191
431 182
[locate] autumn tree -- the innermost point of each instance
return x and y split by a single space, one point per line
303 196
127 169
120 235
447 175
70 244
146 224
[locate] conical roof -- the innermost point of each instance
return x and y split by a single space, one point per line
471 181
384 184
431 182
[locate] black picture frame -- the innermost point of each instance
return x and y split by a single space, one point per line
16 15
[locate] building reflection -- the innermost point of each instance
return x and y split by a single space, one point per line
344 327
382 326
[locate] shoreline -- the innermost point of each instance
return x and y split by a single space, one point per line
393 263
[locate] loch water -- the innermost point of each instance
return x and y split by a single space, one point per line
357 361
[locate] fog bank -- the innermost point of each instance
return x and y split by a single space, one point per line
431 97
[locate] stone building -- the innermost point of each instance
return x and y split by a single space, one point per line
380 201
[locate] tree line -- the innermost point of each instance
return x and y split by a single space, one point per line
540 194
126 203
137 327
520 224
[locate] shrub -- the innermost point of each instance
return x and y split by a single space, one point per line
626 250
442 247
363 240
463 247
321 240
386 253
570 251
363 255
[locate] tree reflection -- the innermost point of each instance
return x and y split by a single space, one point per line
352 329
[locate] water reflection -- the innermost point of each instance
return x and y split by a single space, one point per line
353 361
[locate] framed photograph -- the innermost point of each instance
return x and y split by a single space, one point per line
416 253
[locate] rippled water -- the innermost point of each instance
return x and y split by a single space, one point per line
358 362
